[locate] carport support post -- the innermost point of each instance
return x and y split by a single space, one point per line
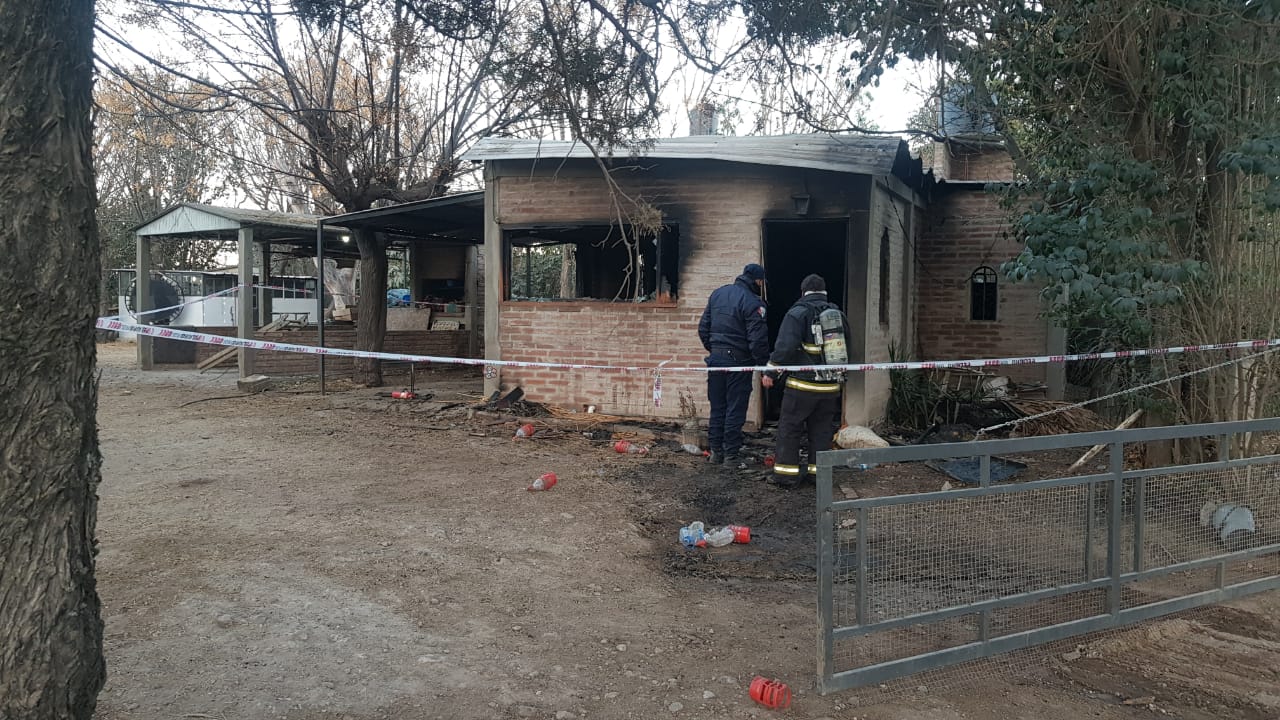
320 297
142 303
470 299
493 272
244 300
264 293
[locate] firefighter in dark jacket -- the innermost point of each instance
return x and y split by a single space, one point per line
811 399
734 333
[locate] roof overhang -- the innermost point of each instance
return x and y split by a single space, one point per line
196 221
449 219
855 154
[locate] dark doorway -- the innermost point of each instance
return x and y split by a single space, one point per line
792 250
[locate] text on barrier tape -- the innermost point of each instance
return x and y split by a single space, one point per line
210 339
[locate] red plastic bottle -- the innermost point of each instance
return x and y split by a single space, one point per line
630 448
546 482
525 430
773 694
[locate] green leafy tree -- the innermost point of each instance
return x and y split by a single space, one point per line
1146 134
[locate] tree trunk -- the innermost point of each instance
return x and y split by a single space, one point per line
371 321
51 663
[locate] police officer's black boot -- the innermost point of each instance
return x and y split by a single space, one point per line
735 461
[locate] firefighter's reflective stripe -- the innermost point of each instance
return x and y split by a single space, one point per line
794 469
819 387
813 349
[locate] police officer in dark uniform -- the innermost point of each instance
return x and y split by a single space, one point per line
734 333
811 399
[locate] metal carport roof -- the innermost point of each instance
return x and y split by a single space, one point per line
455 218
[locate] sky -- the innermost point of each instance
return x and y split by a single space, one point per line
887 107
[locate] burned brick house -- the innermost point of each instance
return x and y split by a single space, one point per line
554 262
911 253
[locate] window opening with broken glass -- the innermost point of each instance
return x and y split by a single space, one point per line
592 263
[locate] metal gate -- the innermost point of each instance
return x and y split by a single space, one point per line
908 583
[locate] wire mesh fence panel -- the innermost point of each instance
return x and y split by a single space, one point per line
906 642
915 583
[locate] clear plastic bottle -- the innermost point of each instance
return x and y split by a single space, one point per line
691 449
719 537
630 448
693 535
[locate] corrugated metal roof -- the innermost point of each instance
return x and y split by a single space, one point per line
261 217
197 218
449 217
863 155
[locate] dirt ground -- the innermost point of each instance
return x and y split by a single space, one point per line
285 555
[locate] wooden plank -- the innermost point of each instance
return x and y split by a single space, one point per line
1093 451
222 356
217 358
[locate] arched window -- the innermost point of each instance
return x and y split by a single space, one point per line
884 277
983 294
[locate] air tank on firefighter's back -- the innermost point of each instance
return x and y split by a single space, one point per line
834 349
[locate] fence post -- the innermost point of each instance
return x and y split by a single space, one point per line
1139 521
1090 499
826 567
1114 517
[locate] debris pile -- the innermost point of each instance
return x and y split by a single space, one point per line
1065 419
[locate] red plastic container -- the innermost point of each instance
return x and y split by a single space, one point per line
741 534
403 394
525 430
768 461
773 694
628 447
546 482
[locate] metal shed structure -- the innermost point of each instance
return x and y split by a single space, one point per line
254 231
449 221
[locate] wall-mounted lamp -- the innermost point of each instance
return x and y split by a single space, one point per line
800 203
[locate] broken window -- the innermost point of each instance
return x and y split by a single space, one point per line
983 296
592 262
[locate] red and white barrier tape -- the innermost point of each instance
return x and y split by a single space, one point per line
185 303
207 338
210 296
300 291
